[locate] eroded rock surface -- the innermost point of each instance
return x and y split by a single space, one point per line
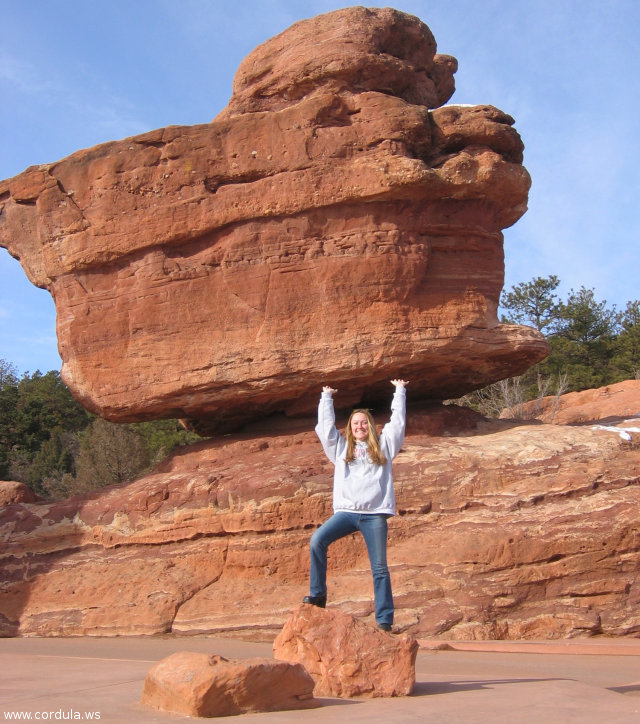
334 222
13 491
611 403
346 657
196 684
505 530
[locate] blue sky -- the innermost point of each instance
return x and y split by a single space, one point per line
75 73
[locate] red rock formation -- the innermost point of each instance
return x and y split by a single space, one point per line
12 491
616 402
504 530
346 657
196 684
327 225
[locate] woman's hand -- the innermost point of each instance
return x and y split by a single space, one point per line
400 383
330 390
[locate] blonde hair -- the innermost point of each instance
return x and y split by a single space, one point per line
373 441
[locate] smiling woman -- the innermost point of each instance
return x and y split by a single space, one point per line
363 495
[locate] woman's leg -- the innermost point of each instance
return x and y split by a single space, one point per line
338 526
374 530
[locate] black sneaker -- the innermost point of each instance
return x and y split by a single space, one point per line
320 601
385 626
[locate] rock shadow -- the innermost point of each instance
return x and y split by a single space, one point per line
429 688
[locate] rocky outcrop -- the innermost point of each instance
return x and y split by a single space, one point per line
333 222
505 530
195 684
346 657
613 402
12 491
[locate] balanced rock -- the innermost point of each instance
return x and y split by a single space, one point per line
197 684
345 656
333 222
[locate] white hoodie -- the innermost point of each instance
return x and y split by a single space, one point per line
361 486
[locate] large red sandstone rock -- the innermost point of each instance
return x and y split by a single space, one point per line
333 223
613 402
505 530
196 684
346 657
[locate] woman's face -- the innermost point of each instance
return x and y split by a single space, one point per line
360 426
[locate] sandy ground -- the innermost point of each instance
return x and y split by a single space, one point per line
57 679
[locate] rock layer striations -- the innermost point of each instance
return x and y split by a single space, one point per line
333 222
505 530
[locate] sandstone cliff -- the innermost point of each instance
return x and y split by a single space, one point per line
333 222
612 402
505 529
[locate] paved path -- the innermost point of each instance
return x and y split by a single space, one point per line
588 681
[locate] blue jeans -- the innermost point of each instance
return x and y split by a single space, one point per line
374 530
